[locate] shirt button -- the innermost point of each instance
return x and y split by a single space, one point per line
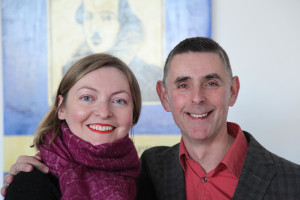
203 179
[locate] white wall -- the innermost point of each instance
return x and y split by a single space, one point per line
262 38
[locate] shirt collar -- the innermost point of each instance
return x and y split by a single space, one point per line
234 158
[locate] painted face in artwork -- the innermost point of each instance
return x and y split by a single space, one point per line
99 107
100 23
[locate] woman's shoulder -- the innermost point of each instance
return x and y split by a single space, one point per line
33 185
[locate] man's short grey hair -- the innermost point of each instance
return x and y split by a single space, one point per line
197 44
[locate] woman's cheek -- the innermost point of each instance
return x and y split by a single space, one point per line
81 114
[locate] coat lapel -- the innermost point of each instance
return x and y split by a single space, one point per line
257 173
174 176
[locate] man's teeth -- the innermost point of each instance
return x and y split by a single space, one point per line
199 116
101 128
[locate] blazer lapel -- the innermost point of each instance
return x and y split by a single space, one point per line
257 172
174 176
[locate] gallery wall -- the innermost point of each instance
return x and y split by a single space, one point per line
262 40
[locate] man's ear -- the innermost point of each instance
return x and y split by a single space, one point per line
235 88
163 96
61 111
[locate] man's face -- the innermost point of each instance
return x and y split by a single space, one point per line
199 93
100 23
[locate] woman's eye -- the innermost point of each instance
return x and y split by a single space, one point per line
120 101
86 98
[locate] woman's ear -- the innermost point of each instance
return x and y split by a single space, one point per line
163 96
61 111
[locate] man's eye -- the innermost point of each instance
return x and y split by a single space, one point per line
183 86
212 84
86 98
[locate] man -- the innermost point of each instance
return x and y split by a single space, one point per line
215 159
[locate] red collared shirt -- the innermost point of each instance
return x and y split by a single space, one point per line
221 182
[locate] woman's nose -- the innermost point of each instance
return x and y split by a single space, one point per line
103 110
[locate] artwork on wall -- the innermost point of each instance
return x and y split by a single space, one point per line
41 39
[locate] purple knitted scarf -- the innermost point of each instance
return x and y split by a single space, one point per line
106 171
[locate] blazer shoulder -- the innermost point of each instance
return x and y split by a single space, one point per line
161 152
261 154
266 175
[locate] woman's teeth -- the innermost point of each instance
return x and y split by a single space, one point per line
101 128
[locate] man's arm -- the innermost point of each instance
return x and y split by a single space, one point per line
25 164
145 188
34 185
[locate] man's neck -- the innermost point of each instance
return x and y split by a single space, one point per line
209 153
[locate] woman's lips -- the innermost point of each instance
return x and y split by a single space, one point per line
101 128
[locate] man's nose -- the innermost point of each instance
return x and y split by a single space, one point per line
198 96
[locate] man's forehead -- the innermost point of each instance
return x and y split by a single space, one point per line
197 61
199 65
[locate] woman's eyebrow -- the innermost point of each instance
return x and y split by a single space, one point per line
122 91
95 90
87 87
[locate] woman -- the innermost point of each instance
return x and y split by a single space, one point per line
83 138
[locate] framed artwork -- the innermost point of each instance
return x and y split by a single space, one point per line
42 39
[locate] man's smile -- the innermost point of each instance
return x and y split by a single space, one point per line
197 116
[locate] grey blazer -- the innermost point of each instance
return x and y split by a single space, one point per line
264 175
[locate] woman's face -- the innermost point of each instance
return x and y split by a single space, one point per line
99 107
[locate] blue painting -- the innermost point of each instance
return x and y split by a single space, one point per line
25 55
41 39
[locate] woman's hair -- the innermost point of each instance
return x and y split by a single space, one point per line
51 122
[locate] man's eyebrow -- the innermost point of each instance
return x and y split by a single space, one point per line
213 76
181 78
207 77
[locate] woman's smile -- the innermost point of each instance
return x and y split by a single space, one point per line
101 128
